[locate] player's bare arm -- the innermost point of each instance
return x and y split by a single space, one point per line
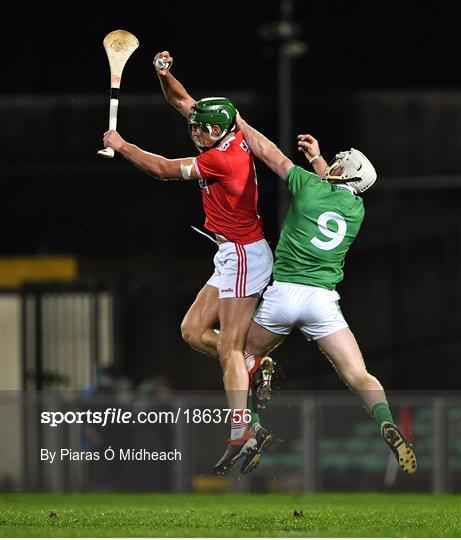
265 150
309 146
173 90
153 164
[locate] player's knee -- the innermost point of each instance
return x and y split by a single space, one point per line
360 379
191 333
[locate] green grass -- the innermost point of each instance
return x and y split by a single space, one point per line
158 515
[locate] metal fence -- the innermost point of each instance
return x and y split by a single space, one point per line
55 335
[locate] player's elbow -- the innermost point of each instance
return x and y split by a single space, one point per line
277 162
184 106
162 169
160 172
265 152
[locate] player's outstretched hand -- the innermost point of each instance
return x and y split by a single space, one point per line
308 145
112 139
163 62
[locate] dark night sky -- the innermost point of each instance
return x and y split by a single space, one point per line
355 45
218 50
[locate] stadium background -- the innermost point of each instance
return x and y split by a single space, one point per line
382 81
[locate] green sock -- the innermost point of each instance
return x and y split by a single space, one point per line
254 415
382 413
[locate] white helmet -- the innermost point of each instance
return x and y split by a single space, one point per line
357 170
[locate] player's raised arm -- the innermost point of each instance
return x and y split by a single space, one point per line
173 90
265 150
309 146
153 164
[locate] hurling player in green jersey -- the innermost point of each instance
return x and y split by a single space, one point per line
323 220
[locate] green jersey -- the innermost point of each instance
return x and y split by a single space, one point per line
319 228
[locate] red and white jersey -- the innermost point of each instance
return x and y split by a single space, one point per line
230 191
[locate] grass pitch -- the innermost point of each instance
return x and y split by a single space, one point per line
160 515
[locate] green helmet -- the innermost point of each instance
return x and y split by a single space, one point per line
214 111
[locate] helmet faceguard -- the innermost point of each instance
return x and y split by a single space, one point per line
209 112
352 168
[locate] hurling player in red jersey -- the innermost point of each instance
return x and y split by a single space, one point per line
225 172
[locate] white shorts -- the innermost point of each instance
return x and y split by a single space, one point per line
242 270
315 311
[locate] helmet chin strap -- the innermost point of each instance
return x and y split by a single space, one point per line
212 137
216 140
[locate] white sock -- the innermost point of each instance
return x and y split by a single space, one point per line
238 424
249 360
